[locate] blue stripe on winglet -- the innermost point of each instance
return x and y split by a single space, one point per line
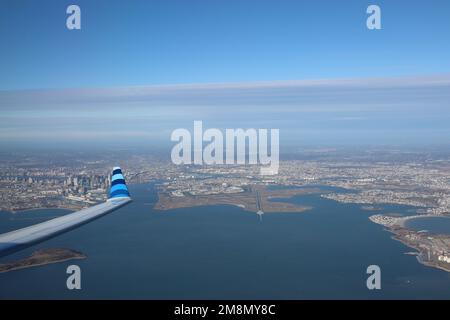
118 181
117 176
119 193
117 171
118 185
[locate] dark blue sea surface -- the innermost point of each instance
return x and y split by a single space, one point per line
224 252
432 224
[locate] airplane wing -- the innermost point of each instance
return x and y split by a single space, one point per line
19 239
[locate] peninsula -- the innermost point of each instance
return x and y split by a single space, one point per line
42 257
255 198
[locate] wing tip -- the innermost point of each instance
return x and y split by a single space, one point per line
118 188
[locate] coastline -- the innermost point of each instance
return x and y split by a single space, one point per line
256 198
42 258
402 233
71 209
40 264
404 220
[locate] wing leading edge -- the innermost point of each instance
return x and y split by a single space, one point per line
19 239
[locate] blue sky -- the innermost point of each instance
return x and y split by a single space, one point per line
124 43
139 69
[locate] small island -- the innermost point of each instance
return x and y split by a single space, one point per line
42 257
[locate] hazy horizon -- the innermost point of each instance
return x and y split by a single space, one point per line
360 111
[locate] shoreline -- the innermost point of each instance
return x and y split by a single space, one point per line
41 258
71 209
428 246
255 198
40 264
405 220
420 251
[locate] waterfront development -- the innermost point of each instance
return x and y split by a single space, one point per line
433 248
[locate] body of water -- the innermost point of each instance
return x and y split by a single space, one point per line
431 224
223 252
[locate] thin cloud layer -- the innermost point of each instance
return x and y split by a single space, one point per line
335 110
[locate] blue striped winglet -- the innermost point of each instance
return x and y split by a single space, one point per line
118 187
